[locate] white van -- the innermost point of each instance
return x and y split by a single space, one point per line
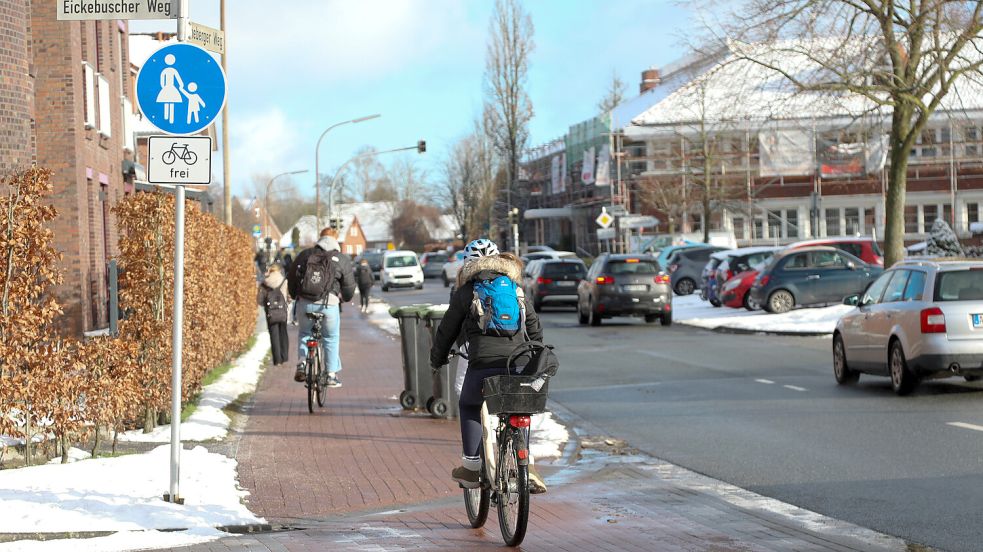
401 269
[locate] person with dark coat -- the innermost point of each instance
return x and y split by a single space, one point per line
340 288
365 281
487 354
272 296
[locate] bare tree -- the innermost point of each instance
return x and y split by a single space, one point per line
366 175
508 109
899 58
664 195
467 175
409 180
614 95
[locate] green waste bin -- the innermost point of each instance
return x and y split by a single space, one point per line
418 380
443 404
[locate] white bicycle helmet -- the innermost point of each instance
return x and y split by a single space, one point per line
480 248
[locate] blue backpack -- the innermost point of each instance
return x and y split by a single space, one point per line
499 305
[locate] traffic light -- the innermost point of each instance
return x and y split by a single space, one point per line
421 146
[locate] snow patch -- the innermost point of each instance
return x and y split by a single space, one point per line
379 316
208 421
74 455
692 311
548 437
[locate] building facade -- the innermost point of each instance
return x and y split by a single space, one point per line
64 100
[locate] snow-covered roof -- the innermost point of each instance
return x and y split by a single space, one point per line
375 219
736 91
444 229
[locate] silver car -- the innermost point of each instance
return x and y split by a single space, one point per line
918 320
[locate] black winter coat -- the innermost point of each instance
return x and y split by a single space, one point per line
484 351
363 276
343 285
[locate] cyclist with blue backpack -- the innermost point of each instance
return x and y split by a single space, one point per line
489 314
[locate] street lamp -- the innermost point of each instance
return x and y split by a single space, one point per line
266 200
420 147
317 174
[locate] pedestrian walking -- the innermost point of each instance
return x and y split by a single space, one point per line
321 279
364 279
272 296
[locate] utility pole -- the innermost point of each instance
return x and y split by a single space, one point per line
226 162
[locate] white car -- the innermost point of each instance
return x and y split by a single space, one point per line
401 269
449 271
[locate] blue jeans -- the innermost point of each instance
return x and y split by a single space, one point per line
330 332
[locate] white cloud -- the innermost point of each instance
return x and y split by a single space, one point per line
264 143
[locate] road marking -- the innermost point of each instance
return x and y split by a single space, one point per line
965 426
794 388
769 382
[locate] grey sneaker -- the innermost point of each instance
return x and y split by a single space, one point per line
333 380
301 373
466 478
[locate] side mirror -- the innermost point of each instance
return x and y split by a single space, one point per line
852 300
851 265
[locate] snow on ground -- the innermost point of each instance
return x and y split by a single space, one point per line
379 315
691 310
208 421
122 494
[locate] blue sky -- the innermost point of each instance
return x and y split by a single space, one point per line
298 66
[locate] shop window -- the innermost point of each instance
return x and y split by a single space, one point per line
758 230
792 223
774 224
738 228
832 222
930 213
911 219
851 220
869 222
973 211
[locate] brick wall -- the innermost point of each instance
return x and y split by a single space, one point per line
16 87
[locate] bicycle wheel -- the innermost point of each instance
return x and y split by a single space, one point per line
168 157
513 488
311 381
191 158
318 385
476 500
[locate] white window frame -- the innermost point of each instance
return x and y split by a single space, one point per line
89 77
128 124
105 117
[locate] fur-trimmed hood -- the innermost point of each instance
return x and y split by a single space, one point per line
274 279
493 263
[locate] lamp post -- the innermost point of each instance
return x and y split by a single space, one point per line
266 200
317 148
420 147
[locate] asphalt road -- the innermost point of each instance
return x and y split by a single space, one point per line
764 413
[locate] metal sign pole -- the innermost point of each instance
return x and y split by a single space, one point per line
177 332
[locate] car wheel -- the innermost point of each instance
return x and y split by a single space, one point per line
715 302
903 380
419 286
685 286
447 283
651 318
780 301
666 319
844 375
750 304
595 317
972 378
581 317
385 287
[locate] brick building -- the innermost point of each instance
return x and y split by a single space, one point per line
65 103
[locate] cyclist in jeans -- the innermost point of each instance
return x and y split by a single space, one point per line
340 288
487 354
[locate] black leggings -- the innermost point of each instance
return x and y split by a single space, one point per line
364 294
279 342
470 406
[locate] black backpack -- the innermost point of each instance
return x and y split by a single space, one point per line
318 275
276 306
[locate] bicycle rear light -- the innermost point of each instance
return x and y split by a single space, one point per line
311 343
519 421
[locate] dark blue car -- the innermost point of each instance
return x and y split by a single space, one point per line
811 276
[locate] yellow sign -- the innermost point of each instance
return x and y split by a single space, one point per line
604 220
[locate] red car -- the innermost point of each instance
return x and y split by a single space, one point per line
736 291
865 249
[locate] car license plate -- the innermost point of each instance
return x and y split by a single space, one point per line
635 287
565 283
978 320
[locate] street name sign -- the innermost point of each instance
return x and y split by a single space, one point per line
604 219
85 10
181 89
605 234
180 160
617 210
208 38
638 221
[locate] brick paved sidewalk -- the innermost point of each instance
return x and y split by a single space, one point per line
362 475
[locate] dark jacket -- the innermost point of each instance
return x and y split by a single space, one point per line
274 280
343 285
363 276
484 351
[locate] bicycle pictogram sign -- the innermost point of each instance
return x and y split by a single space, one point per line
179 151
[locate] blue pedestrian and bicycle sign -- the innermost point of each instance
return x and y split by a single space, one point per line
181 89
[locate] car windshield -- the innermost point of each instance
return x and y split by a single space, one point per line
959 285
564 269
633 266
399 261
437 258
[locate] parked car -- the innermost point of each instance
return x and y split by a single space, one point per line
449 270
735 267
374 257
538 248
865 249
736 292
810 276
433 263
554 281
710 288
401 269
663 257
920 319
624 285
685 266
